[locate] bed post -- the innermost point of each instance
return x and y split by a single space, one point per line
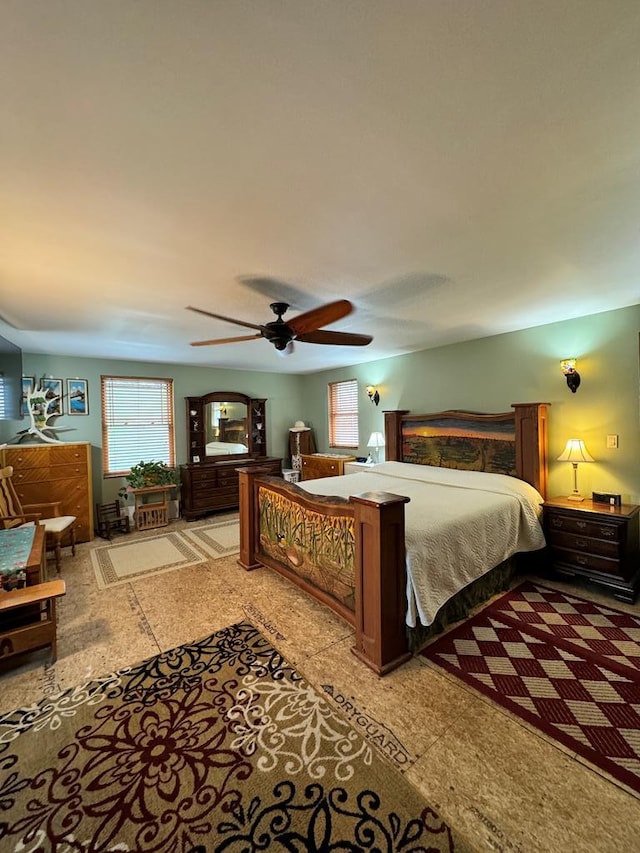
393 434
531 444
380 580
248 516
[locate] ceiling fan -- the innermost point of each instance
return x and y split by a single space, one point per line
305 327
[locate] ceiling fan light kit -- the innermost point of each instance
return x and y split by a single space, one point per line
306 327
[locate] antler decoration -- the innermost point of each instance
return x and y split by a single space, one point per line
39 408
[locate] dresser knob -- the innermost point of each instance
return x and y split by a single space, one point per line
581 543
581 524
582 561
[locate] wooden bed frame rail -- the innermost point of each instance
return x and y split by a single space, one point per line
379 573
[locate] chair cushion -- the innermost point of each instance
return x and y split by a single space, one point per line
57 525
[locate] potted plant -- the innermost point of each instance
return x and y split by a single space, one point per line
153 473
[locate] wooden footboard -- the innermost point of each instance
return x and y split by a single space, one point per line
348 554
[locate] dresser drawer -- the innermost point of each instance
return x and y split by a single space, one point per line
209 475
228 478
27 457
215 501
76 469
68 454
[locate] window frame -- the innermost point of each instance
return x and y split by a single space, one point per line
346 435
163 416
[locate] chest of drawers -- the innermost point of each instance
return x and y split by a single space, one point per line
56 472
595 541
315 466
207 487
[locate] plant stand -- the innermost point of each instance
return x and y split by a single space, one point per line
152 507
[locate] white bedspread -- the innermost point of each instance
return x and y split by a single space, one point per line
458 524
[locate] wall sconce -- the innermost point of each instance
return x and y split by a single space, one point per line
376 441
372 391
575 452
568 366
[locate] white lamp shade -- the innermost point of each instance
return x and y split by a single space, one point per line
376 439
575 451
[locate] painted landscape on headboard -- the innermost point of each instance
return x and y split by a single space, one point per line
450 442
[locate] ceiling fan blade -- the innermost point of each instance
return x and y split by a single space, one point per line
225 340
345 339
312 320
278 290
222 317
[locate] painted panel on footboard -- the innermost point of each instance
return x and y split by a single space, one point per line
318 548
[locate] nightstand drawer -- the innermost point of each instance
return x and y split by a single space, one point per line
588 562
584 526
602 547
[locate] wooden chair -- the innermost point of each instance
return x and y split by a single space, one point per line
56 525
109 517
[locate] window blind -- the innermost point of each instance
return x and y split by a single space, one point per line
343 413
137 423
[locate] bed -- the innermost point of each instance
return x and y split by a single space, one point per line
389 547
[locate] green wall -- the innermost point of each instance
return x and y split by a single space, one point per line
485 375
489 374
283 393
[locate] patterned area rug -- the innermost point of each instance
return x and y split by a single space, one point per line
217 745
124 561
567 666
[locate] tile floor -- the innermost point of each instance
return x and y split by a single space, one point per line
503 786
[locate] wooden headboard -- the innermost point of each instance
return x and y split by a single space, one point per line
513 443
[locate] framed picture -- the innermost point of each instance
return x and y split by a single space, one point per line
77 397
53 388
28 384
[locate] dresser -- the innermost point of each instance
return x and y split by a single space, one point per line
315 466
56 472
210 486
595 541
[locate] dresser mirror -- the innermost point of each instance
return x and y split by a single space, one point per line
224 424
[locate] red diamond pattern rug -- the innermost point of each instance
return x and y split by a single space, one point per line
567 666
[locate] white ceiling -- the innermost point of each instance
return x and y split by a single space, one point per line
455 168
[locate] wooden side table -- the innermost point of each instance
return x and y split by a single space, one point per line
28 615
595 541
152 507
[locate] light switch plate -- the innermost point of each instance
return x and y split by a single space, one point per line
612 442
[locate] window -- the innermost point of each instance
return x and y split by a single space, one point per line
343 413
137 423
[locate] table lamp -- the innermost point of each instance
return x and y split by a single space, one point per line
376 440
575 452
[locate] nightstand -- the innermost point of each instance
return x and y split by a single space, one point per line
595 541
